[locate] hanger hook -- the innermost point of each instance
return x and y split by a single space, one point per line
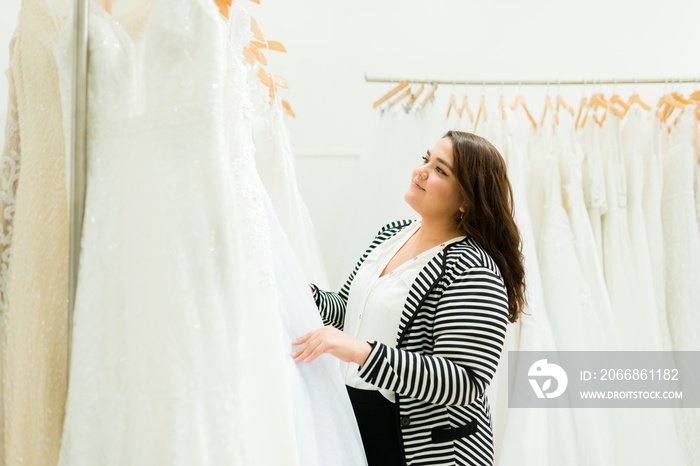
520 87
483 87
614 85
634 89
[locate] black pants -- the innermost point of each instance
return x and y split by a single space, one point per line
377 419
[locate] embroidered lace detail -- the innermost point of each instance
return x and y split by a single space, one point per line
10 165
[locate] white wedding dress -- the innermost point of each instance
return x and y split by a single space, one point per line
682 254
530 436
275 162
188 294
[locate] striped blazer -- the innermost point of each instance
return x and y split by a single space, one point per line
450 338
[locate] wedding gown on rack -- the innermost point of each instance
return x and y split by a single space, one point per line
651 205
635 140
275 162
34 248
682 248
571 158
576 324
188 294
594 183
531 436
644 436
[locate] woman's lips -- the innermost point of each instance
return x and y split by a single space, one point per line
416 185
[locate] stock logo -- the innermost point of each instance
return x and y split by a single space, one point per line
541 370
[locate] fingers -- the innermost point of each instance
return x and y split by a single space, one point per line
307 352
313 344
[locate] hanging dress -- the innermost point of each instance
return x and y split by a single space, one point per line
188 296
651 205
275 162
531 436
644 436
34 247
636 138
682 254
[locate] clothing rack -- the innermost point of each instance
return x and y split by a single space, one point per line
534 82
78 164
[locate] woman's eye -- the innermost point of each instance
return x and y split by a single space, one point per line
441 171
425 159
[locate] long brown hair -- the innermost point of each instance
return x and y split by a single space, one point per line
488 217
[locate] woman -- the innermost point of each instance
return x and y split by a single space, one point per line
425 312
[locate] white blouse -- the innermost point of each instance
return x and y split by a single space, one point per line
375 303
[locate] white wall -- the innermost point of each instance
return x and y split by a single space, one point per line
332 44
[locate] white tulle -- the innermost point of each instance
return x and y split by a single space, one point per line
188 295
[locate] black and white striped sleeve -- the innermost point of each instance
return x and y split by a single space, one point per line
469 334
332 305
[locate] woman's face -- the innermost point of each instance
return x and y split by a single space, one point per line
434 190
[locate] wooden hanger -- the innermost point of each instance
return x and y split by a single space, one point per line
390 94
465 107
636 99
583 104
400 97
520 102
258 55
453 104
562 103
270 44
249 56
680 98
548 105
615 99
598 101
482 107
288 109
255 29
430 95
695 96
501 107
669 104
413 98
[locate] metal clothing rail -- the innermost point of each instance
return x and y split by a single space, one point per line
78 160
551 82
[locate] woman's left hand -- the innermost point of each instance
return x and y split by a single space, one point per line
330 340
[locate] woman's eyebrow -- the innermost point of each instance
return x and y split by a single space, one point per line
442 162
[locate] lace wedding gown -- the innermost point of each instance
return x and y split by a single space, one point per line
275 162
188 295
682 248
531 436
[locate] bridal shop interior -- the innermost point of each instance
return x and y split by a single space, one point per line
595 107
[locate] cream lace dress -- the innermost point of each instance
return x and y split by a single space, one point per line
34 243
